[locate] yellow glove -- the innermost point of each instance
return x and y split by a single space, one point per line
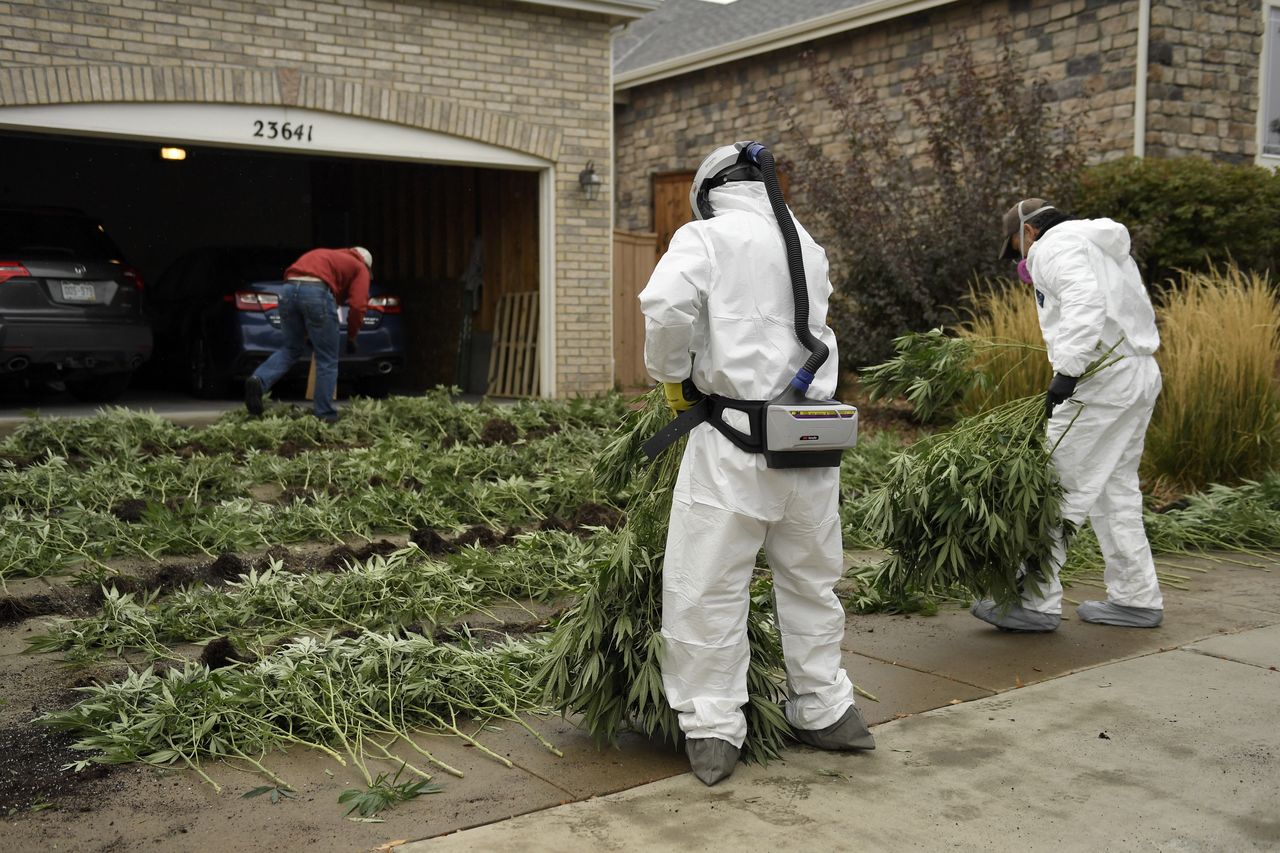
681 395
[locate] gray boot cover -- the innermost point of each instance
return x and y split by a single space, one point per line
1016 619
1107 613
711 758
848 732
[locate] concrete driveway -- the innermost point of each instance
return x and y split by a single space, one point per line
1092 738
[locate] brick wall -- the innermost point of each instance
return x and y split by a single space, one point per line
1203 77
531 78
1202 98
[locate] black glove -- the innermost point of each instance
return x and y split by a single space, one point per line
352 349
1060 390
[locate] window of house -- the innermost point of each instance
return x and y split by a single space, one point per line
1270 89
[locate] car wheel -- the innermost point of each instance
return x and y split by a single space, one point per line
204 379
99 389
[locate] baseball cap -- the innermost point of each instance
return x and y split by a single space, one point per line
1011 221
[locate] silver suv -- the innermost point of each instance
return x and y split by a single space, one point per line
70 307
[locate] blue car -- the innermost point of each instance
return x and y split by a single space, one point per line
215 319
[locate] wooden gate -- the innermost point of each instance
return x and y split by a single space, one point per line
634 256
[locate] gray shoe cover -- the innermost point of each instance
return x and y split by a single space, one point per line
711 758
1016 619
848 732
1107 613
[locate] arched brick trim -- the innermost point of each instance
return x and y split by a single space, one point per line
29 86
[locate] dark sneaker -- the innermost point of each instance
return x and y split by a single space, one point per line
847 733
1015 619
253 395
711 758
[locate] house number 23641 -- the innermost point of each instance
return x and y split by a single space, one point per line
283 130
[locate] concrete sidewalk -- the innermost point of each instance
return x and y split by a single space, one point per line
1091 738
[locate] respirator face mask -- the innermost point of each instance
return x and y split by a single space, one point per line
1024 272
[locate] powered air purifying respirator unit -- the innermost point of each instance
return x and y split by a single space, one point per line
791 430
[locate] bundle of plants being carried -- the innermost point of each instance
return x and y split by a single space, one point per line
603 660
962 511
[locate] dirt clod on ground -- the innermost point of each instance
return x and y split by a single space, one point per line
290 449
31 758
15 609
478 535
20 462
173 576
130 511
221 653
228 567
598 515
499 431
542 432
431 542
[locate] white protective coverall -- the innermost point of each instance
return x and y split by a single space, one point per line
1091 297
722 293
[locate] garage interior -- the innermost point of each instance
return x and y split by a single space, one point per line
423 223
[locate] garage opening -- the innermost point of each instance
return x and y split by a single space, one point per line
454 243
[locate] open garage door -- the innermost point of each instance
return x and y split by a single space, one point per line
454 226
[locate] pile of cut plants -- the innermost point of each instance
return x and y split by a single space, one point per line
428 566
969 511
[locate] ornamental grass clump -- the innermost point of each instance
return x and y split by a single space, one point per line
603 660
1218 417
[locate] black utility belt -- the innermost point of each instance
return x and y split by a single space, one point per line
710 409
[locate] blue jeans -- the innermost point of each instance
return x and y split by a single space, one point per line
307 312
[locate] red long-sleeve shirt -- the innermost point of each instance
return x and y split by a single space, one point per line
347 276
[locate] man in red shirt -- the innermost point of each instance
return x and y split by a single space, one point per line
314 285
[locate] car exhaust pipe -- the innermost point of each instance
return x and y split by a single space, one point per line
19 363
385 367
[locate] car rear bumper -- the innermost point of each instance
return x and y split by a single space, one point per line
68 348
349 367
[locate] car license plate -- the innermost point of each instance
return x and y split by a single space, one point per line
75 292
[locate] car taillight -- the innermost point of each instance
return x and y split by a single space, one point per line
249 300
134 277
385 304
12 269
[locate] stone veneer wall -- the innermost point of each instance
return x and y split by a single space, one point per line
1203 78
1202 87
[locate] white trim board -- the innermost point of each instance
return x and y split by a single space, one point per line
235 125
617 8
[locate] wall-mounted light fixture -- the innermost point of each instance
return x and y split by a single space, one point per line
590 181
173 153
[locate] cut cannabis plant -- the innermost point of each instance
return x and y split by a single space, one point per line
602 661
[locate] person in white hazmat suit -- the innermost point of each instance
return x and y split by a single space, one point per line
1092 304
719 315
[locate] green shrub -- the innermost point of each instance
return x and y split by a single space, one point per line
1188 213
